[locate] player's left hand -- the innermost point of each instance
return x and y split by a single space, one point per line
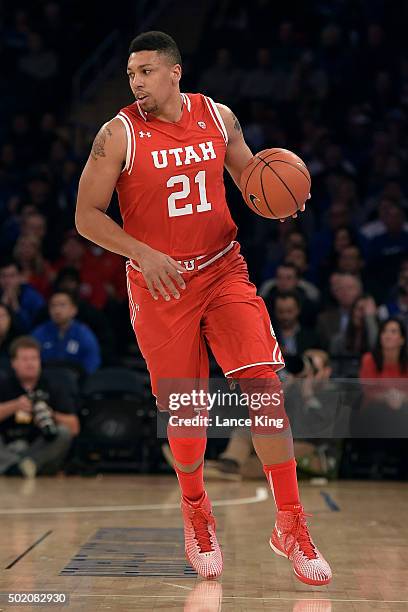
300 209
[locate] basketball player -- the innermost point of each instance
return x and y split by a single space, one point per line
165 154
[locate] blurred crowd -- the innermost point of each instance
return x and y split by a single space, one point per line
326 79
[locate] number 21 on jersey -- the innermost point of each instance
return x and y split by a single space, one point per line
187 209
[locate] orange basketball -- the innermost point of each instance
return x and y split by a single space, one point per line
275 183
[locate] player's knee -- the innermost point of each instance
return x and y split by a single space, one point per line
187 450
266 402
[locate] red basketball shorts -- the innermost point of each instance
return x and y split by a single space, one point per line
218 307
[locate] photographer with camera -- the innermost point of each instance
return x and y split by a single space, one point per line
37 421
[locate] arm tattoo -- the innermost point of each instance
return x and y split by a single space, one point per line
236 123
98 147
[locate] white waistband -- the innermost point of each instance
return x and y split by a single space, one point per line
189 264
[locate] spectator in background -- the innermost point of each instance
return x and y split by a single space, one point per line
345 289
385 251
34 225
8 332
359 336
296 240
40 193
397 306
221 80
292 337
384 412
298 257
39 67
287 280
35 269
111 267
230 21
69 280
389 359
350 261
343 237
261 82
102 277
75 254
64 339
37 420
39 63
22 299
308 79
286 236
377 227
321 246
394 239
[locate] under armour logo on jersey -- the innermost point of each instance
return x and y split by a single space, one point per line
143 134
202 124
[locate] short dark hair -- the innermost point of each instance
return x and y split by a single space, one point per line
23 342
156 41
70 294
287 295
290 265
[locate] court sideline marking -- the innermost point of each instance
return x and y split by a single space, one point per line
260 496
140 596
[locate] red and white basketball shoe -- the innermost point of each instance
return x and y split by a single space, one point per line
290 538
201 545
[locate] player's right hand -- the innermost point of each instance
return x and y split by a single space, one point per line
23 403
159 271
302 209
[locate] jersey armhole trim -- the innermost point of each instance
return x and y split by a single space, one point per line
216 115
131 142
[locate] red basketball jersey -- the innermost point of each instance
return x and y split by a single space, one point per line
171 190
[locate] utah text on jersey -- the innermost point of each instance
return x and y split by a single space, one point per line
185 155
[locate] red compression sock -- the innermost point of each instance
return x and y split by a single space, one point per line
191 483
187 451
283 482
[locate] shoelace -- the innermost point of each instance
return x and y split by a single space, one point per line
301 535
201 519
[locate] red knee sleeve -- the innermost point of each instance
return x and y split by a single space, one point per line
187 450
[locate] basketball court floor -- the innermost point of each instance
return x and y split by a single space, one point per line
115 543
